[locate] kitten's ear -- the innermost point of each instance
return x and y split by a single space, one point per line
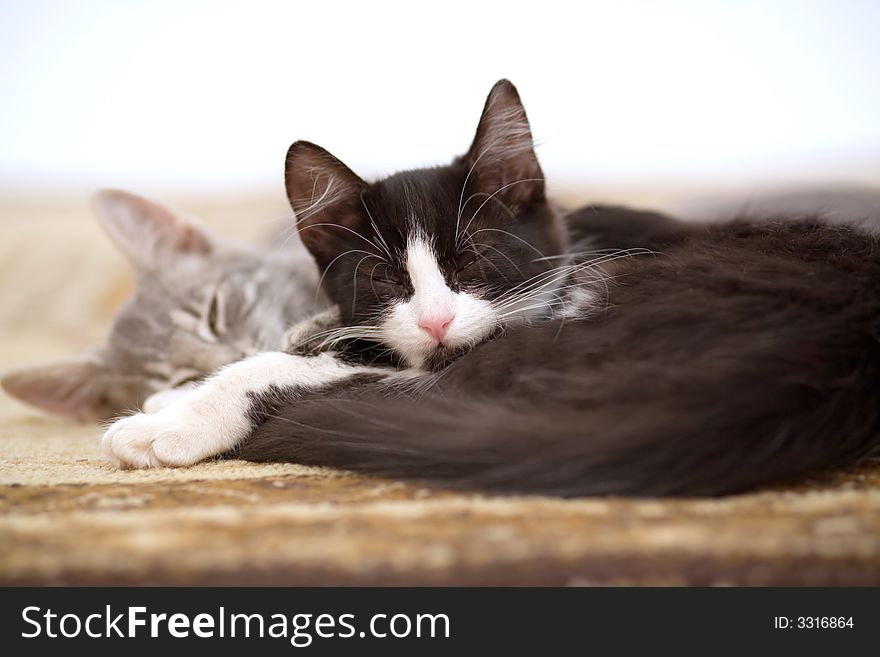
326 198
502 158
151 236
78 387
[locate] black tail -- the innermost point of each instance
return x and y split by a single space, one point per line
648 448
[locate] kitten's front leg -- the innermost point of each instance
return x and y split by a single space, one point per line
215 416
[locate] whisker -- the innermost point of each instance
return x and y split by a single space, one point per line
512 300
494 266
516 237
353 232
354 282
332 262
498 191
499 252
576 254
375 226
479 157
503 205
554 274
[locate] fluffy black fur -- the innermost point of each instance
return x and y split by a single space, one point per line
610 228
748 354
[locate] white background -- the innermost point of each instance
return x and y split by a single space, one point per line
185 95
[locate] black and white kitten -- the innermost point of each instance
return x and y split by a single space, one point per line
744 354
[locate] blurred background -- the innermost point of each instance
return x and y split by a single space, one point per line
693 107
187 96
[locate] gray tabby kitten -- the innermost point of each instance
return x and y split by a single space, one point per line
199 303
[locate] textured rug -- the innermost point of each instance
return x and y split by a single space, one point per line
67 517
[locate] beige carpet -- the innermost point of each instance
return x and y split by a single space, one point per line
66 517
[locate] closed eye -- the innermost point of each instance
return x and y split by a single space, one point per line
387 279
212 324
469 263
214 314
470 258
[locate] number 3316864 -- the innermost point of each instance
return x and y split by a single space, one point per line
813 622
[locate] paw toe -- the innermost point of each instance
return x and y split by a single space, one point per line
128 443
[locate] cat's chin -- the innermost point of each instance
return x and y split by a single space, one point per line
442 356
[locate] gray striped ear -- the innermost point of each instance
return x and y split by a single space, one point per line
325 196
79 387
151 236
502 157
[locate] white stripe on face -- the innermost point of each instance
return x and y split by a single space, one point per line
432 297
435 314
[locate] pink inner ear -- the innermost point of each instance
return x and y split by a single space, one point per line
145 230
176 233
190 240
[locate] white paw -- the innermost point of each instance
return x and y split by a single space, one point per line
153 441
164 398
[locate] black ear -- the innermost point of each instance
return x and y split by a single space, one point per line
326 198
151 236
502 158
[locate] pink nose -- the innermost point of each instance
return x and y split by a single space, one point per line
436 325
